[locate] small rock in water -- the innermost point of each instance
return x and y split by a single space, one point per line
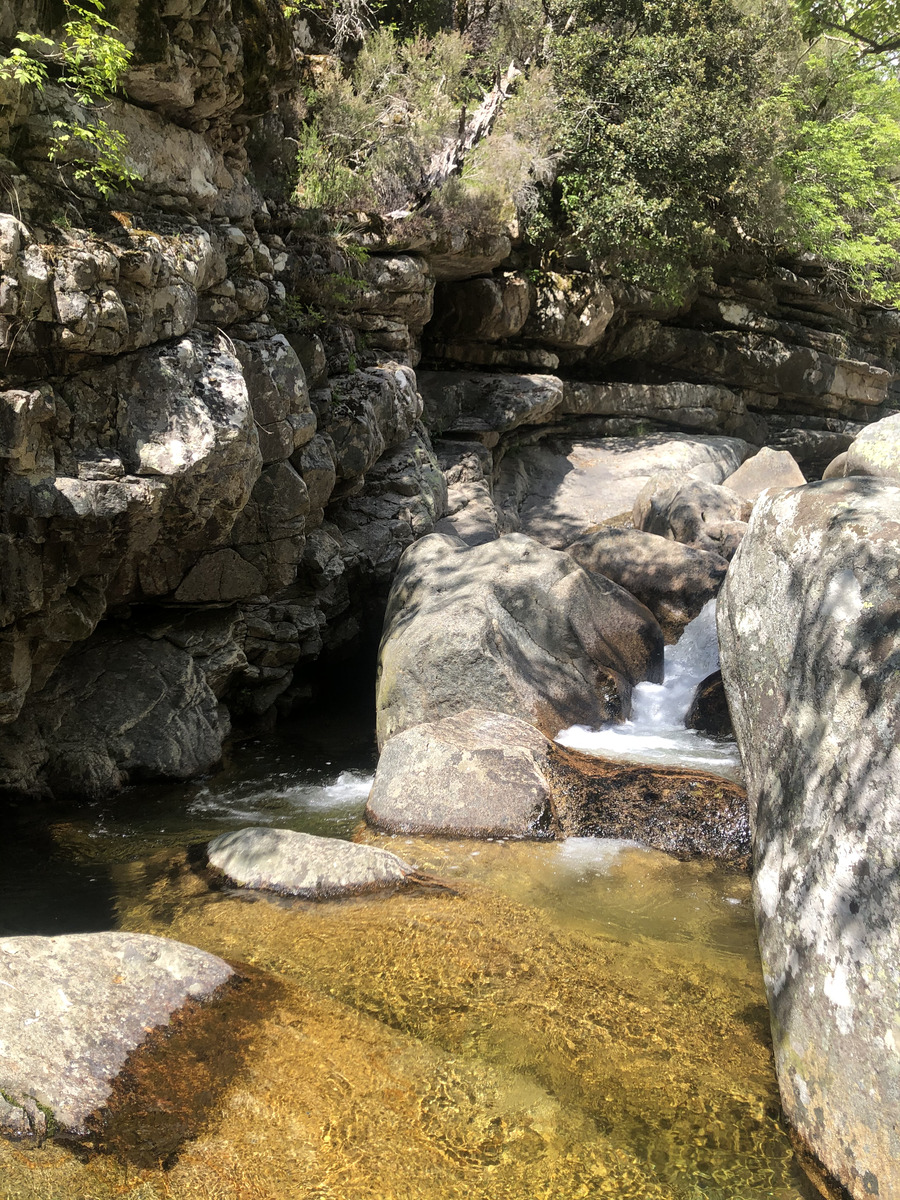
73 1007
301 864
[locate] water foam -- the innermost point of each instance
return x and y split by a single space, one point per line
656 732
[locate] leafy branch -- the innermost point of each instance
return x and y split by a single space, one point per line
88 62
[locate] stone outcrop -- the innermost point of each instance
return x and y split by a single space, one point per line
73 1009
300 864
511 626
808 621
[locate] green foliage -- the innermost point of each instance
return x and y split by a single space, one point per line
374 134
839 167
659 128
88 62
873 24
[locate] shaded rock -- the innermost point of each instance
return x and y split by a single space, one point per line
568 311
370 411
709 712
811 663
690 405
477 402
706 515
481 310
837 468
876 451
767 469
122 706
509 626
686 813
556 490
74 1007
300 864
474 774
673 580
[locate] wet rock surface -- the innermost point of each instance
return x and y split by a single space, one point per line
74 1007
709 711
301 864
510 626
810 667
683 812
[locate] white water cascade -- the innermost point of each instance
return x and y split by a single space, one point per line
656 731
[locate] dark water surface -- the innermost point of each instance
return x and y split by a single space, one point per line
579 1019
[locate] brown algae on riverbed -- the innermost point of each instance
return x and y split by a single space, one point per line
487 1040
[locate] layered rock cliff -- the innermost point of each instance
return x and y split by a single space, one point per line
218 433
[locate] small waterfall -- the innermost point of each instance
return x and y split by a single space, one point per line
656 732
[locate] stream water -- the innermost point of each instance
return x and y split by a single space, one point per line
555 1020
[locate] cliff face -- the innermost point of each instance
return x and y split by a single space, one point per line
214 446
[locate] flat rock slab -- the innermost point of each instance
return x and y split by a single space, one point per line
557 490
300 864
72 1008
474 774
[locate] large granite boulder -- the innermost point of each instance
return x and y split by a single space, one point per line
876 451
473 774
708 516
511 626
74 1007
301 864
673 580
808 624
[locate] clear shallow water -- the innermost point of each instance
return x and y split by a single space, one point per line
656 733
564 1020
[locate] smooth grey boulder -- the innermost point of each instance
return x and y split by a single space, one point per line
876 451
767 469
72 1009
706 515
511 626
301 864
673 580
557 490
474 774
809 627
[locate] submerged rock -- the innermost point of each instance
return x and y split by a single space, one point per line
300 864
811 662
72 1008
691 814
474 774
509 626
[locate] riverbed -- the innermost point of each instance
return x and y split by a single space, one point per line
534 1020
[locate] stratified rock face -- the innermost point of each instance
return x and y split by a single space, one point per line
300 864
72 1008
673 580
876 451
511 626
474 774
808 625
